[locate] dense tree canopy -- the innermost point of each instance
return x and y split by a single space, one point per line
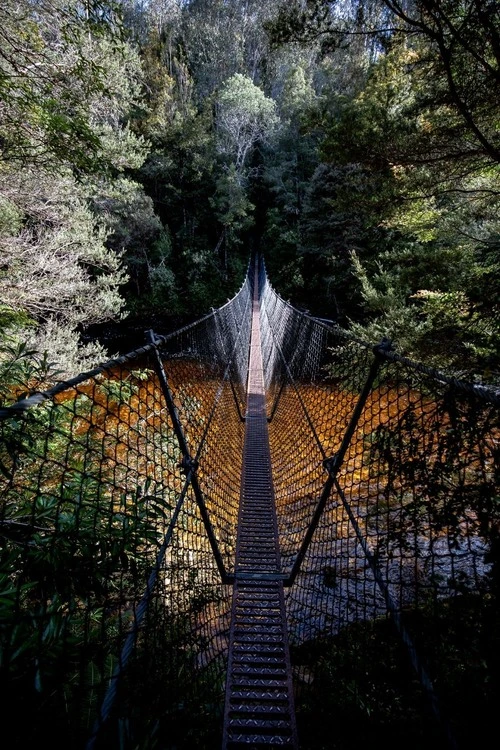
147 148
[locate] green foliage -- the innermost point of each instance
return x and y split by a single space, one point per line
366 164
137 234
444 448
22 370
205 209
225 37
433 279
78 538
340 215
399 225
290 161
69 82
245 116
458 55
10 218
57 272
46 79
232 207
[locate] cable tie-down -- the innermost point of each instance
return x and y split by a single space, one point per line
330 464
187 464
384 347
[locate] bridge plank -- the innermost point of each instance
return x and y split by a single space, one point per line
259 708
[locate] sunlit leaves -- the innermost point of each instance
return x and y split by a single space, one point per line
244 117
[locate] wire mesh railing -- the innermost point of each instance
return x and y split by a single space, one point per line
386 483
118 511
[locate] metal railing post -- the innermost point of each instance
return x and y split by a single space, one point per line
188 463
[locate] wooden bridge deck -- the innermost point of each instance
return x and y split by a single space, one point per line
259 709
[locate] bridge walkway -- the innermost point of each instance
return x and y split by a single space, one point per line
259 707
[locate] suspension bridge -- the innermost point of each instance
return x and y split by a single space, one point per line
255 531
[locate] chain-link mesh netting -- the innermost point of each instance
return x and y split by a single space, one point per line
119 495
118 514
386 482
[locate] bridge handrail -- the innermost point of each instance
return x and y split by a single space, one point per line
38 397
490 394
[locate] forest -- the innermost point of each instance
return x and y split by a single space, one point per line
148 147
